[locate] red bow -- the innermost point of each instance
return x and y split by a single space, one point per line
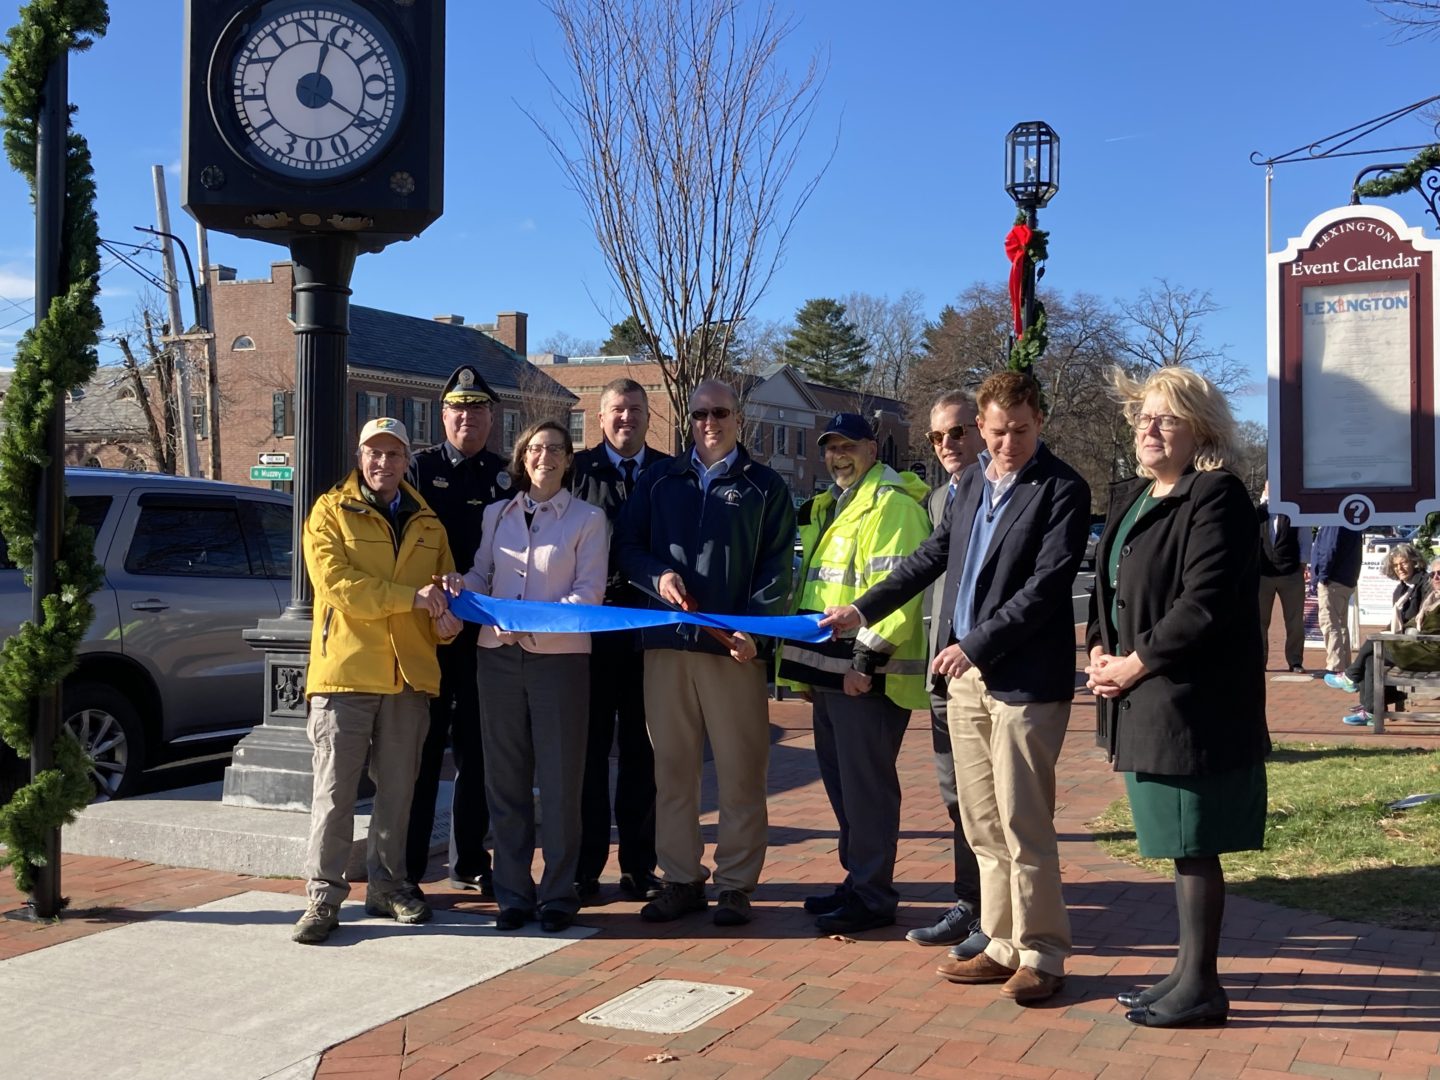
1017 240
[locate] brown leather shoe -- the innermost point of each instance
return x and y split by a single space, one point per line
1029 985
978 969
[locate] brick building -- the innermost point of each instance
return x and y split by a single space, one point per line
104 424
397 366
784 414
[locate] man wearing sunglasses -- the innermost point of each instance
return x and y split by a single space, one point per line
955 436
710 530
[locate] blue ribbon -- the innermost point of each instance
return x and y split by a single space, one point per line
534 617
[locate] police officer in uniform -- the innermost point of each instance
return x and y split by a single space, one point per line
458 479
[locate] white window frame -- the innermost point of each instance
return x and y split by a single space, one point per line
374 407
420 409
509 429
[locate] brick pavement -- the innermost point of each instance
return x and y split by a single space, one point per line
1310 995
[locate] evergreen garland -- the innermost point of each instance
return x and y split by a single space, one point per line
57 354
1031 344
1407 179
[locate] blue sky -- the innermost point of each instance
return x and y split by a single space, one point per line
1158 107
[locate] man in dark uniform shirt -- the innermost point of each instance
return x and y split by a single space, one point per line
458 479
604 476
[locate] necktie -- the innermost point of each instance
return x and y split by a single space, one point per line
628 467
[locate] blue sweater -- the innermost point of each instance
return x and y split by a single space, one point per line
1336 557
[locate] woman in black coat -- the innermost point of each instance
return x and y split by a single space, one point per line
1177 665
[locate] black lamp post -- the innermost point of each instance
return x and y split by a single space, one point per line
1032 177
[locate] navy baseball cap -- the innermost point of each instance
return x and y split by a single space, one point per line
850 425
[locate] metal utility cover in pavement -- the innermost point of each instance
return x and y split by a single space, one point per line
665 1006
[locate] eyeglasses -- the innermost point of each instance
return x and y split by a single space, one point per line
1435 573
383 455
701 415
553 449
954 434
1166 422
468 407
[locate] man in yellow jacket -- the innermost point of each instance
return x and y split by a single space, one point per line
863 688
375 552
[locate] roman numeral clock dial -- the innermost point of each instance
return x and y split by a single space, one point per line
317 90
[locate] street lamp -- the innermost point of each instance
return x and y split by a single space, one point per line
1032 177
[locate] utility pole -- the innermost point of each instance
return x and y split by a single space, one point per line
189 453
205 317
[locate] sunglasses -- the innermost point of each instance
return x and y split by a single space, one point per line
701 415
1435 573
954 434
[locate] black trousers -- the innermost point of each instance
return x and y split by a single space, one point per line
454 719
1362 672
617 717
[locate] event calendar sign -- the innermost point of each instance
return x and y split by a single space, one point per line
1352 335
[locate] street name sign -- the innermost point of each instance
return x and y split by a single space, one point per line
1351 328
272 472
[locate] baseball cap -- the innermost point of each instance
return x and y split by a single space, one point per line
848 425
385 425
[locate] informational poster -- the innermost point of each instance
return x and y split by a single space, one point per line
1357 386
1375 589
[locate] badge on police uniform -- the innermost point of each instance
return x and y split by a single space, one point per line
440 482
502 480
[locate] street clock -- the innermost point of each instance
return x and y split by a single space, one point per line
313 118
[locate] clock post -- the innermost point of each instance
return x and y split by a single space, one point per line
319 126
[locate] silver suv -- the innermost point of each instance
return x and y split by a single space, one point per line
189 565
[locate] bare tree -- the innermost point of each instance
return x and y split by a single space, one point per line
1164 328
1411 18
152 376
565 344
1252 459
682 133
895 333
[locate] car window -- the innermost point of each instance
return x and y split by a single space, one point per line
91 510
191 541
275 524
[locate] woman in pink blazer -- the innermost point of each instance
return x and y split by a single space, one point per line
535 688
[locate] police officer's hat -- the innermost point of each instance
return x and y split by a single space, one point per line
467 387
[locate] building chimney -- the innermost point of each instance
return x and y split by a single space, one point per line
510 330
450 320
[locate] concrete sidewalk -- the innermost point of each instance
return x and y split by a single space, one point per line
1310 996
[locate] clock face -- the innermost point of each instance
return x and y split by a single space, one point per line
318 89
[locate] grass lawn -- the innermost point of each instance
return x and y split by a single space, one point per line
1331 844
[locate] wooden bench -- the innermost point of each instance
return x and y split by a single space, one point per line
1412 682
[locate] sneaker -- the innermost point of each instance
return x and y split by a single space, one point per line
315 925
973 945
953 927
639 886
825 903
404 905
676 898
853 918
1358 718
732 909
1336 680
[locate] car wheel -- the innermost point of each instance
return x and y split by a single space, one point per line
109 729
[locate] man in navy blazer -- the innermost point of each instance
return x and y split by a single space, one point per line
1009 549
604 476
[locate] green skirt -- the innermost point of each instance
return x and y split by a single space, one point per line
1183 817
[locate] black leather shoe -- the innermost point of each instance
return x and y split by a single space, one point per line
825 904
639 886
853 918
1207 1014
953 927
1137 998
511 918
475 883
588 890
553 920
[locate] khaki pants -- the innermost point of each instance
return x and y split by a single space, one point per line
343 728
1335 623
1290 588
689 695
1005 775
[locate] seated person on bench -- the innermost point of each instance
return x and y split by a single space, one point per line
1362 676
